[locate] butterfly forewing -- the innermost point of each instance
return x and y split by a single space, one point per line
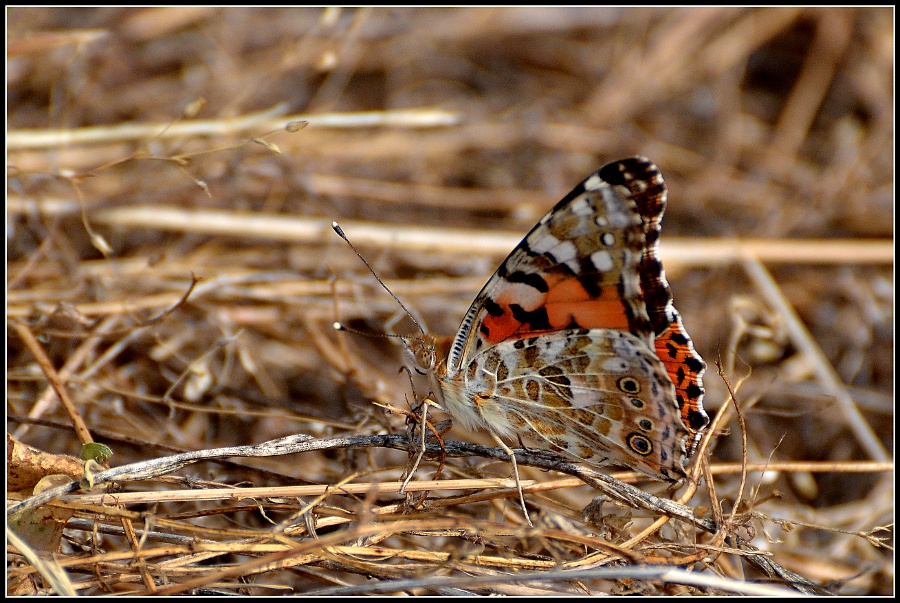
577 268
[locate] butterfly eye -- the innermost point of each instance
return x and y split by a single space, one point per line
425 357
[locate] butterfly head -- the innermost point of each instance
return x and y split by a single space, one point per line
422 350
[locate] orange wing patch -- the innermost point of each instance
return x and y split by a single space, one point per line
566 305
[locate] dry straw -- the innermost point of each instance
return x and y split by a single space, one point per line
173 278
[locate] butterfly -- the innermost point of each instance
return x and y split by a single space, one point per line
574 343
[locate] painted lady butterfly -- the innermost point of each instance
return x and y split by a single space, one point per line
574 342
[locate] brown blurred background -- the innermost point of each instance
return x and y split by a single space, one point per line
147 145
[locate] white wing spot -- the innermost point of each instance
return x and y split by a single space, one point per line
593 182
631 283
554 347
565 252
525 295
670 310
616 366
582 206
542 242
602 261
619 217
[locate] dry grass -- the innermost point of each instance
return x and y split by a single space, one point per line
148 146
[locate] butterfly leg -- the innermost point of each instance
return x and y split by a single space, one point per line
415 464
512 457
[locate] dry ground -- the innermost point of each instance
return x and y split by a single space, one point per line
147 147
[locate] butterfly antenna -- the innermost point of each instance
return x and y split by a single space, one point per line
340 233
